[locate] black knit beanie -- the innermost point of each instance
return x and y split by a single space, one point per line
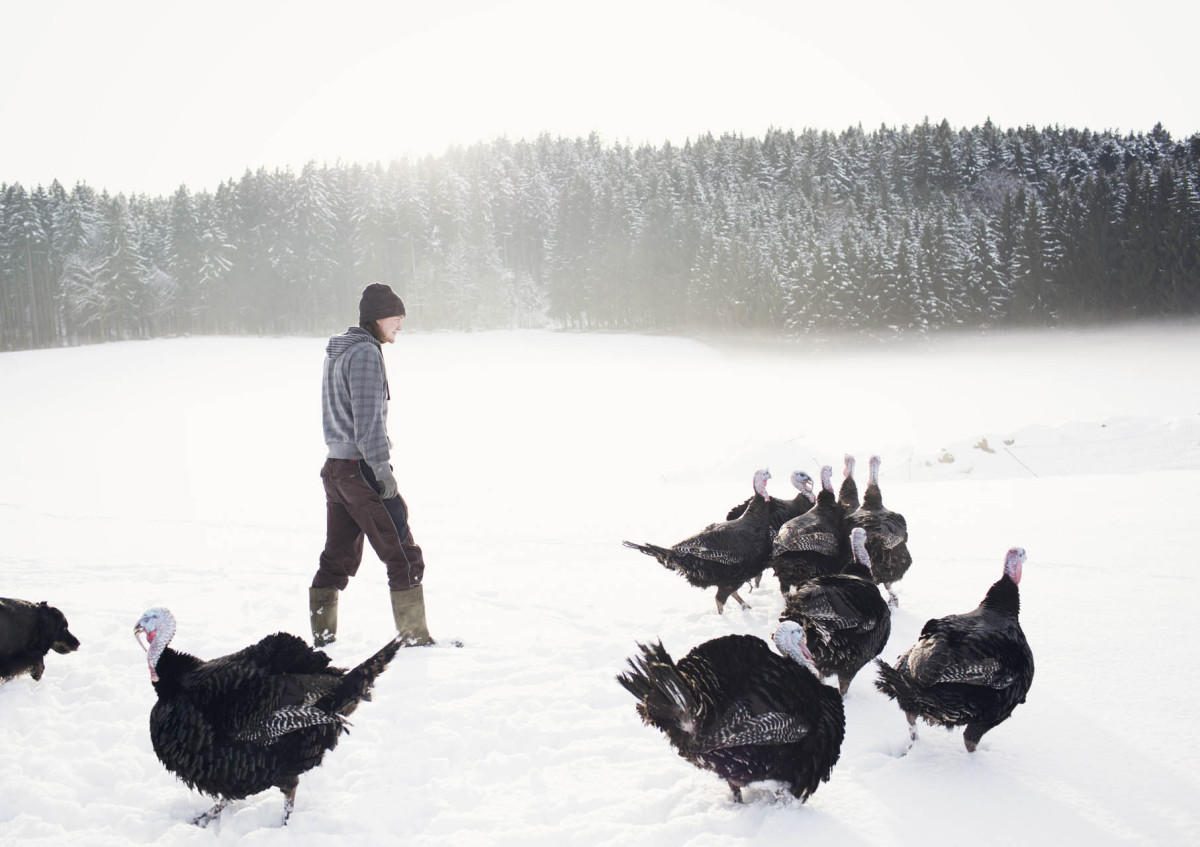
379 301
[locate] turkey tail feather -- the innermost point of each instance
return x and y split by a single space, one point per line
356 685
660 553
664 697
900 687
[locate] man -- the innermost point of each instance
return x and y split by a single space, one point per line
360 489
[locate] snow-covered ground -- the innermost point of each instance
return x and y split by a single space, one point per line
184 473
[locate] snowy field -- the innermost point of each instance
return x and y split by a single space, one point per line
184 473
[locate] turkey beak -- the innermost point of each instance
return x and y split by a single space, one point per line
138 633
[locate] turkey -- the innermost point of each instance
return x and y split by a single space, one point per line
783 511
810 544
848 493
970 669
734 707
726 554
233 726
887 535
846 620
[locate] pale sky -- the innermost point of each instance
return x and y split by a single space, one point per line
140 96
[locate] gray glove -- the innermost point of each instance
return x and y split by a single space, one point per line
385 481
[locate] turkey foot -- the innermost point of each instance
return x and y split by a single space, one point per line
204 819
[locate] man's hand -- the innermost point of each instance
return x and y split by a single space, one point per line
385 481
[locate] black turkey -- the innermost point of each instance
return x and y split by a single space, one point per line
782 510
725 554
734 707
255 719
848 493
810 544
846 620
887 535
967 670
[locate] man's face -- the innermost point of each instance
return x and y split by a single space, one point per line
389 327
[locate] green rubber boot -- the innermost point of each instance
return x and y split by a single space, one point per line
408 608
322 613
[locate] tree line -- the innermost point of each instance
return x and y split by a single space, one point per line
895 230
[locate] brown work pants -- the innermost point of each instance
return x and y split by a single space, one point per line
353 509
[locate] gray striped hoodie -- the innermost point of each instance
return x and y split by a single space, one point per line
354 398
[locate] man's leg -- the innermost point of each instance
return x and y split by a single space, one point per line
388 531
338 562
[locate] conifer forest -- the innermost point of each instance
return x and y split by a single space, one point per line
917 229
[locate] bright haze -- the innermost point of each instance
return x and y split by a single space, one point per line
137 96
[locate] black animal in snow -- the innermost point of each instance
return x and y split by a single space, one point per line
887 535
811 544
725 554
782 510
846 620
848 493
734 707
252 720
28 631
967 670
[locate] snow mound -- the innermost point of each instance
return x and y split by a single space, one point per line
1116 446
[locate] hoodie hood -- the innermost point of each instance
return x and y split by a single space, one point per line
339 344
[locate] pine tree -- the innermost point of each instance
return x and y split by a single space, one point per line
1032 299
27 304
120 280
185 258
